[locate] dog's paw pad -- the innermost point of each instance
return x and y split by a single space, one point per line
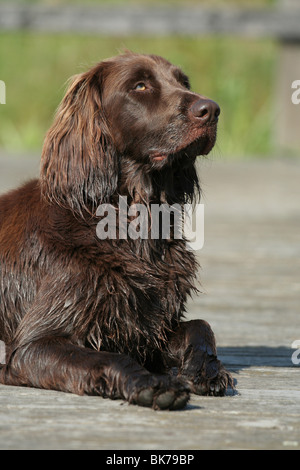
162 393
180 401
165 400
145 397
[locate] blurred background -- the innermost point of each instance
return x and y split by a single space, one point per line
242 53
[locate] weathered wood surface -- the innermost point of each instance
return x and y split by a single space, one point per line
164 20
251 291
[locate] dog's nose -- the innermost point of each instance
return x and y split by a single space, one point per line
206 110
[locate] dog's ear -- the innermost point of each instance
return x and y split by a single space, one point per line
79 167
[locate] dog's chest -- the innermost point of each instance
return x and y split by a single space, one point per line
141 299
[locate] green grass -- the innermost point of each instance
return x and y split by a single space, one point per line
238 74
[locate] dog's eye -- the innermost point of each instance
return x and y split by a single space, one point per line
140 87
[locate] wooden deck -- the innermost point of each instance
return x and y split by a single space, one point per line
251 296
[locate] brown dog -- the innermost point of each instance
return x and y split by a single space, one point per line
104 317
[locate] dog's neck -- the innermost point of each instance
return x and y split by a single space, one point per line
143 183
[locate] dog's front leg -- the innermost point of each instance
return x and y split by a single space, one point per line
54 363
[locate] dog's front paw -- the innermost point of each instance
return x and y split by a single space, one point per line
215 386
208 376
160 393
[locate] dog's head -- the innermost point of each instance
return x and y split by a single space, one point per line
134 107
152 112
